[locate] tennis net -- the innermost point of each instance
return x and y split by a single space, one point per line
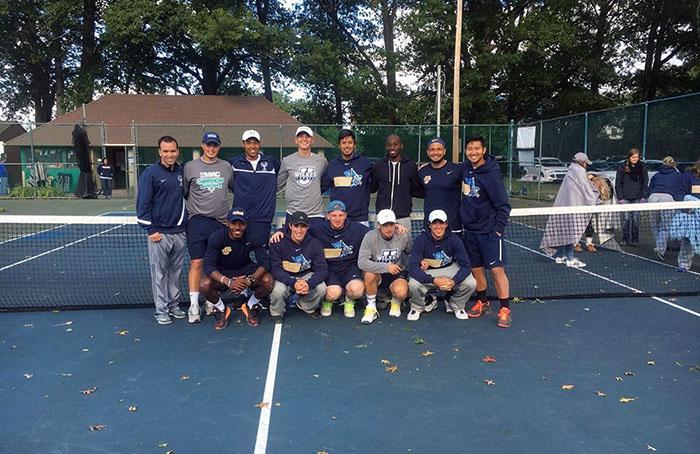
62 262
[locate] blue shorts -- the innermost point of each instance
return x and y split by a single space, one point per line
342 278
259 233
387 279
485 250
199 228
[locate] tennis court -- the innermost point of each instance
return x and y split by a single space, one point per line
576 374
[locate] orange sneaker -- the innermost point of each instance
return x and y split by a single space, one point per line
578 248
504 318
221 318
591 248
481 307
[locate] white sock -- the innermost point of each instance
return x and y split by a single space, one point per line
252 301
395 301
220 305
372 301
194 298
246 292
589 241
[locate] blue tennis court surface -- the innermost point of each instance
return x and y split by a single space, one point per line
335 389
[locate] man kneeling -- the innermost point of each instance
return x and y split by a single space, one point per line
439 261
228 266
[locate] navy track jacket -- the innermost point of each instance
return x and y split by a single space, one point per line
160 206
255 190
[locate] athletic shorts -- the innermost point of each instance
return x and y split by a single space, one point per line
386 279
342 278
484 249
199 228
259 233
247 270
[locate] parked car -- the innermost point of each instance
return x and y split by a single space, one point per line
610 171
545 169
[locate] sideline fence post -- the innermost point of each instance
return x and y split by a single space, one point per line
510 157
644 131
585 133
539 164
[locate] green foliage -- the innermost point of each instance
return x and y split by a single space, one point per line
42 192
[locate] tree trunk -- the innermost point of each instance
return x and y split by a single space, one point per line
263 7
210 82
88 56
388 20
338 105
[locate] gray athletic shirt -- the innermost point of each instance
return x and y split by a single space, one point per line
376 252
301 179
206 188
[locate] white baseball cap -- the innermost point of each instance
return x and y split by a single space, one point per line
305 129
250 134
437 215
386 216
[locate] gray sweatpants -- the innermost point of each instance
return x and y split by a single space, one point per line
460 294
166 258
308 303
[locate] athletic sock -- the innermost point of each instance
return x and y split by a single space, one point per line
589 240
220 305
505 302
395 301
252 301
194 298
481 295
372 301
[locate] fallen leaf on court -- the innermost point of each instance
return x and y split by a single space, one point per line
28 376
85 350
629 373
600 394
64 324
68 330
123 332
29 325
418 341
361 346
316 375
587 309
650 447
262 405
695 368
110 363
89 391
334 418
170 452
136 339
455 349
66 375
321 452
97 427
490 382
184 378
426 353
679 364
277 404
489 359
386 361
162 444
568 387
133 408
619 379
393 368
651 362
626 400
517 300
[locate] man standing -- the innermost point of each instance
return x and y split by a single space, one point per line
441 182
160 210
254 184
438 261
300 177
395 180
348 178
106 174
384 259
228 266
484 212
298 266
207 182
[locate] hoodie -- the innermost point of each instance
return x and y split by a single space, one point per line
342 245
631 181
484 206
224 253
448 250
349 183
307 257
395 185
442 188
668 181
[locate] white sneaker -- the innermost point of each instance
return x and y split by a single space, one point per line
461 314
429 307
560 260
193 314
413 315
448 307
370 315
349 309
575 263
208 308
395 310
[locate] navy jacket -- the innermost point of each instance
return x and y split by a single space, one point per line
255 190
105 172
669 181
692 180
160 206
308 254
442 188
448 250
355 193
484 206
223 253
395 185
348 240
631 181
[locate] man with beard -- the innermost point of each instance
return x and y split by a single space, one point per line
441 182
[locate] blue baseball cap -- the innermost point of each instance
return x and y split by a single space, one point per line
211 137
436 140
237 214
336 205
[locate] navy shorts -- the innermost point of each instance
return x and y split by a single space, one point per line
342 278
259 233
485 250
199 228
387 279
247 270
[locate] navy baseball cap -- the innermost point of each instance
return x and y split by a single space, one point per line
436 140
237 214
335 205
211 137
298 217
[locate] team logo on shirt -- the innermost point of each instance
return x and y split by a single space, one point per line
211 181
345 249
356 178
442 257
305 175
388 256
227 250
426 179
469 187
263 164
304 263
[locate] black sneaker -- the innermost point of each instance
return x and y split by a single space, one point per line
221 318
315 315
277 318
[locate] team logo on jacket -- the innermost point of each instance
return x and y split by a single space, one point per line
426 179
263 164
356 178
388 256
469 187
211 181
305 175
442 257
179 178
304 263
227 250
345 249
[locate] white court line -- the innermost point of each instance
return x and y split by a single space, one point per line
264 423
661 300
59 248
31 234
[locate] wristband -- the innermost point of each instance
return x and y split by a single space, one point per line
222 279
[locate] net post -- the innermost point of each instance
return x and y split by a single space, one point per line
585 132
539 164
510 156
33 172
